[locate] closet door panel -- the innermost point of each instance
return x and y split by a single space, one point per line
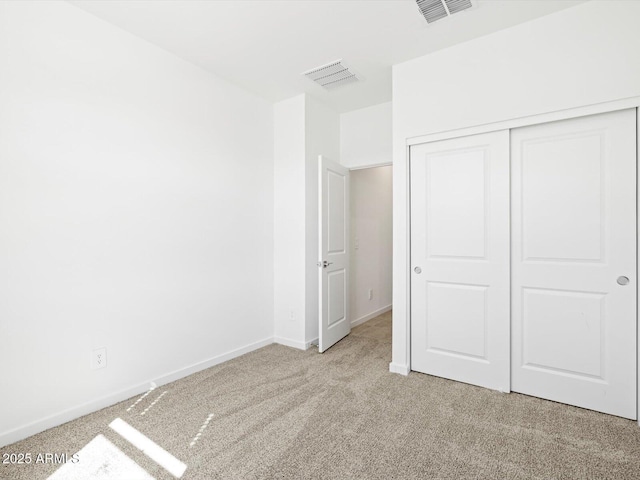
574 262
460 259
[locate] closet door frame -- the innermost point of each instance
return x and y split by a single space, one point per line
402 321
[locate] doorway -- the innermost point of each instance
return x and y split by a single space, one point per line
371 238
355 249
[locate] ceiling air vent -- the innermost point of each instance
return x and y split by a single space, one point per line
433 10
331 75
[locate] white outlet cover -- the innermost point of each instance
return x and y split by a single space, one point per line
99 358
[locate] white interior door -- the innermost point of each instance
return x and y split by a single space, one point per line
334 253
460 259
574 262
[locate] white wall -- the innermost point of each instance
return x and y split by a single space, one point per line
289 221
365 141
304 129
365 136
322 129
579 56
136 213
371 242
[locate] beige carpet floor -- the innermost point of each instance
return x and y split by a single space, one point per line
287 414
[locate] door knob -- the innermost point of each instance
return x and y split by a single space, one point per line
623 280
324 264
417 270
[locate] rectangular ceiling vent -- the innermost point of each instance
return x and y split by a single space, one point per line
331 75
433 10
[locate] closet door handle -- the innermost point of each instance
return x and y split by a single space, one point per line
623 281
418 270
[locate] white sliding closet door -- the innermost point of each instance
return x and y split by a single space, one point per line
574 262
460 259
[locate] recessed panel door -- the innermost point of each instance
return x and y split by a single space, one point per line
334 253
574 262
460 259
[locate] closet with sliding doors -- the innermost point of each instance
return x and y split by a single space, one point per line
523 260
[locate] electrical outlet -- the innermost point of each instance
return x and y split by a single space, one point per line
370 294
99 358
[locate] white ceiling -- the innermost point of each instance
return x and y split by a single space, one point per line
264 45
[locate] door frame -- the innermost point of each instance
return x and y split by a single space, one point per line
401 357
316 342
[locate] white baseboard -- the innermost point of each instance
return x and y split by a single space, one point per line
20 433
287 342
69 414
196 367
401 369
365 318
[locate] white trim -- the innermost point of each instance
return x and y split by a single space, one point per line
20 433
637 270
375 165
401 369
407 263
287 342
401 325
611 106
197 367
369 316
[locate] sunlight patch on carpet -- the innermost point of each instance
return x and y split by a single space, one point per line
101 460
151 449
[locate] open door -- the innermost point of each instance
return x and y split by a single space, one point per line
334 253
